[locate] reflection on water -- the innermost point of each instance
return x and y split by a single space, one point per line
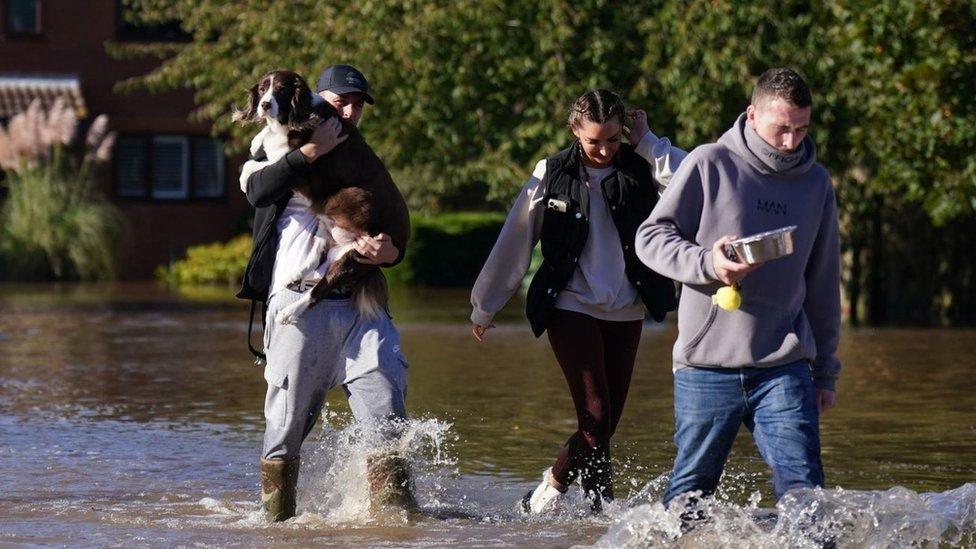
131 414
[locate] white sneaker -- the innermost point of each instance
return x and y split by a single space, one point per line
543 498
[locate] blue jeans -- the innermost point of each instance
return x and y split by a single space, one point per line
776 404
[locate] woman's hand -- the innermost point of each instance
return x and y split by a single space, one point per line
635 125
480 330
376 250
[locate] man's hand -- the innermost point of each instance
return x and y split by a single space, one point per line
728 271
826 399
480 331
376 250
635 125
324 139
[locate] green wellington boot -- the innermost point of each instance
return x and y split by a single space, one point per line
389 481
279 478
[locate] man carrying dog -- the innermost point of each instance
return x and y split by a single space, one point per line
331 344
772 363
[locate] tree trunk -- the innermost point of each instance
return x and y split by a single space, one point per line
854 282
877 294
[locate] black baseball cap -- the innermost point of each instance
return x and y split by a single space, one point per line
340 79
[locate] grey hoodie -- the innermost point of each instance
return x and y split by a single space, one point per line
790 306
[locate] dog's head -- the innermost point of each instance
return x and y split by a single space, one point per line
281 96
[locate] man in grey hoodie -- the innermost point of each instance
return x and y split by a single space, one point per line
772 363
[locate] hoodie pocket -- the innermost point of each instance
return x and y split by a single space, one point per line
706 325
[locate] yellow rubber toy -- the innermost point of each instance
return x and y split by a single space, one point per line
728 298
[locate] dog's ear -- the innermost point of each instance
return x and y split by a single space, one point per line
250 111
301 105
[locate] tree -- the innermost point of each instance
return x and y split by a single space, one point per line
470 94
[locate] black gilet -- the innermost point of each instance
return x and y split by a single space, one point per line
630 193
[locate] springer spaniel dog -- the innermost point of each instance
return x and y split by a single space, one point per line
349 189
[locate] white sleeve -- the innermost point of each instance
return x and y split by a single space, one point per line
505 267
663 157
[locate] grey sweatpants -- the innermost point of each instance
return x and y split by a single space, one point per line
330 345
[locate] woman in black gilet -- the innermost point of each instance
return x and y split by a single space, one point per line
584 204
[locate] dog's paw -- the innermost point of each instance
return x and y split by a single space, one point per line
285 318
291 313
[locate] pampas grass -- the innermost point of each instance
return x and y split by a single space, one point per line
53 209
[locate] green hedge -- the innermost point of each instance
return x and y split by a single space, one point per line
216 263
445 250
448 249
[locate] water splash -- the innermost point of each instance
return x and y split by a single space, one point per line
334 487
896 517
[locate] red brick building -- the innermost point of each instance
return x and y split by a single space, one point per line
169 176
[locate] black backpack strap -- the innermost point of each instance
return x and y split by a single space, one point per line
259 357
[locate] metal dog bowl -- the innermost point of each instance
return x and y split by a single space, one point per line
762 247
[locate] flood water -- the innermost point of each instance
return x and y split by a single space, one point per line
132 416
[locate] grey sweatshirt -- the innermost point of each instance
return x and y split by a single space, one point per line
790 306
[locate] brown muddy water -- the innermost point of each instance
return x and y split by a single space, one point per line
132 416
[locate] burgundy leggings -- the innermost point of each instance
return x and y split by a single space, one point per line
597 358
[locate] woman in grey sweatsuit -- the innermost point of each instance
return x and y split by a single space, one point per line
332 344
585 204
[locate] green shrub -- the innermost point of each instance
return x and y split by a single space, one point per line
216 263
445 250
54 221
448 249
51 214
19 261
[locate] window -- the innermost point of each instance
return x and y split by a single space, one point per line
169 167
131 165
208 167
23 16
